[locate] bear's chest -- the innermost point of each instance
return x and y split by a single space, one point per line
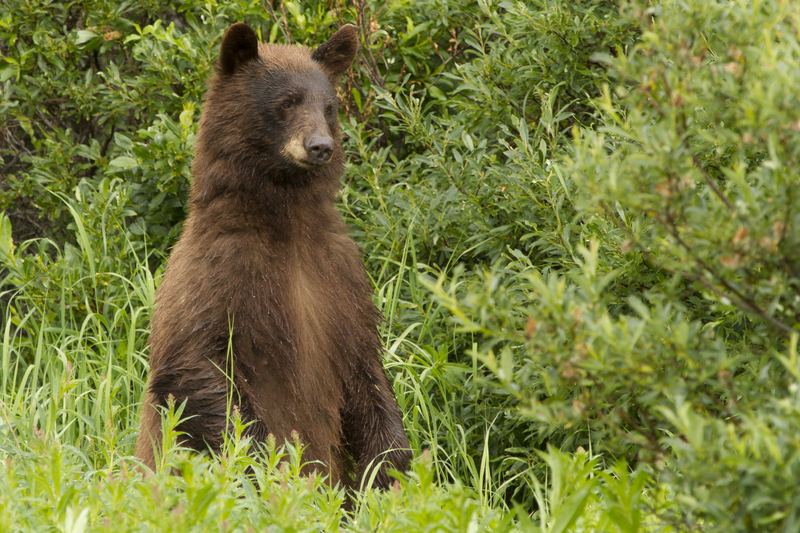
306 335
308 301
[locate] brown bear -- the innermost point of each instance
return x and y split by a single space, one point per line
263 284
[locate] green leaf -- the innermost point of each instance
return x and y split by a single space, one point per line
124 163
467 140
436 93
73 524
7 72
85 36
357 97
6 239
572 509
186 117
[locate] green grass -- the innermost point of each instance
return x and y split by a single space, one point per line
74 362
580 223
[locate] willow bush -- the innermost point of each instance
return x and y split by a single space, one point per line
579 219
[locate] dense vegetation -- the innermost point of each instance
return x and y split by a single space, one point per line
581 220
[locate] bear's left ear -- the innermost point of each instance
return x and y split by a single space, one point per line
239 46
337 53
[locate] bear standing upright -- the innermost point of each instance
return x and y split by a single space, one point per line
263 255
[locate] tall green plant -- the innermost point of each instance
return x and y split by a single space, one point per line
666 337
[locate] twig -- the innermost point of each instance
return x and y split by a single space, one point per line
372 66
711 183
10 428
284 30
737 298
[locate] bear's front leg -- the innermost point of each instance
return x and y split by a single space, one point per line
208 403
373 424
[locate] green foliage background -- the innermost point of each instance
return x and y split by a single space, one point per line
580 219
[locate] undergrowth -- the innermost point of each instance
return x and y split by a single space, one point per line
579 219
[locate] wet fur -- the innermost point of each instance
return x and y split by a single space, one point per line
264 248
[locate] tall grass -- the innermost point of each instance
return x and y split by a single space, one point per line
577 218
73 353
74 363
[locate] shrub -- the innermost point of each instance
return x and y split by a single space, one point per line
578 217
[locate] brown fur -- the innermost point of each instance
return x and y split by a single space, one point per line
265 250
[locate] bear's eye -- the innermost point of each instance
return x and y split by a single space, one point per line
287 104
329 110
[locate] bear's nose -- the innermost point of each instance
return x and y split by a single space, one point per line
319 149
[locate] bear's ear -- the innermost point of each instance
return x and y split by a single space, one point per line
337 53
239 46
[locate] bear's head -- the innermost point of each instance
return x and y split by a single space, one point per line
272 109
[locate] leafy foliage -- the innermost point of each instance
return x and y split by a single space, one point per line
579 218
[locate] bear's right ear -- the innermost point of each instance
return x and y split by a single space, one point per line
337 53
239 46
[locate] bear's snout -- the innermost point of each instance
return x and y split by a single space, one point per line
319 149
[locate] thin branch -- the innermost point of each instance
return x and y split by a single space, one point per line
711 183
284 30
10 427
737 298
